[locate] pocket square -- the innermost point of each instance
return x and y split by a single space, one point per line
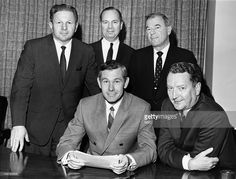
79 68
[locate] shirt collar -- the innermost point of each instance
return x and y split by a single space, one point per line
107 43
58 44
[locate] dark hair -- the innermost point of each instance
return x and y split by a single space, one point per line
112 65
192 69
63 7
111 8
158 14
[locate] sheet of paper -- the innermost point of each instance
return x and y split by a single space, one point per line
95 160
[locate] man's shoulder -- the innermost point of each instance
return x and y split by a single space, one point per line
137 100
91 99
144 49
180 50
208 104
127 47
40 40
96 43
79 44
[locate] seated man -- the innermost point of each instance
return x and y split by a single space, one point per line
129 134
196 134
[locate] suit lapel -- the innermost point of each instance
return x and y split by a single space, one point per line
120 117
101 122
99 53
120 53
75 57
52 55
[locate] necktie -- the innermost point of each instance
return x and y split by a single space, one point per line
158 69
110 53
63 63
110 118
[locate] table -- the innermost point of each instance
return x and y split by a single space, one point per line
23 165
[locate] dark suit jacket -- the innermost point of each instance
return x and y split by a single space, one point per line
123 56
141 73
206 125
130 132
38 96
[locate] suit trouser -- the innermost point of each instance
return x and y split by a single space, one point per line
49 149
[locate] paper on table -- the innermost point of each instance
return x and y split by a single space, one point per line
94 160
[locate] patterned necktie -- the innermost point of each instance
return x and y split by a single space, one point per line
110 118
110 52
158 69
63 63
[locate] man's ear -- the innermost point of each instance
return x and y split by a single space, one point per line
99 83
198 88
169 29
50 25
126 82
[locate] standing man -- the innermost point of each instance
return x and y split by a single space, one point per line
150 65
51 74
110 47
196 133
114 122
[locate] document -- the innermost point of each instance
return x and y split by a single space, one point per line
94 160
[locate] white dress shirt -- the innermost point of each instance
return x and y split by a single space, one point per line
163 57
67 50
106 46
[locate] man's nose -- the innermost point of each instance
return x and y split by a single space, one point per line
64 26
111 87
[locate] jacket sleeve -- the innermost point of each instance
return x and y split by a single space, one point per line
21 86
72 137
146 150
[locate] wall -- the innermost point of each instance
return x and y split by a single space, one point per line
221 54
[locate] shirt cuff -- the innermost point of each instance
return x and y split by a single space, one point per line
185 161
132 165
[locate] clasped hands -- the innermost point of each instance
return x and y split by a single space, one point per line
118 166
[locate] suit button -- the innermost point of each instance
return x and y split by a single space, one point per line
121 144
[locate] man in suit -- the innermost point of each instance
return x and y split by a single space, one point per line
48 83
195 132
111 25
129 134
148 72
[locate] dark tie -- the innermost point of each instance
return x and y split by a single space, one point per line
63 63
110 118
110 53
158 69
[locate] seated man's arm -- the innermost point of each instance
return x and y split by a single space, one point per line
72 136
212 134
146 150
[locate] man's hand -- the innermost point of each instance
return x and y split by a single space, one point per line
120 166
202 162
74 162
18 134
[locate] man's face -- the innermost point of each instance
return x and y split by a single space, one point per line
63 26
112 84
182 92
157 32
111 25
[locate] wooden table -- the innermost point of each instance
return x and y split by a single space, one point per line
23 165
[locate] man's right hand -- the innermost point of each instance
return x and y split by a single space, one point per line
18 134
202 162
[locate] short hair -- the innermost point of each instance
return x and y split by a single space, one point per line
63 7
158 14
111 8
112 65
192 69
